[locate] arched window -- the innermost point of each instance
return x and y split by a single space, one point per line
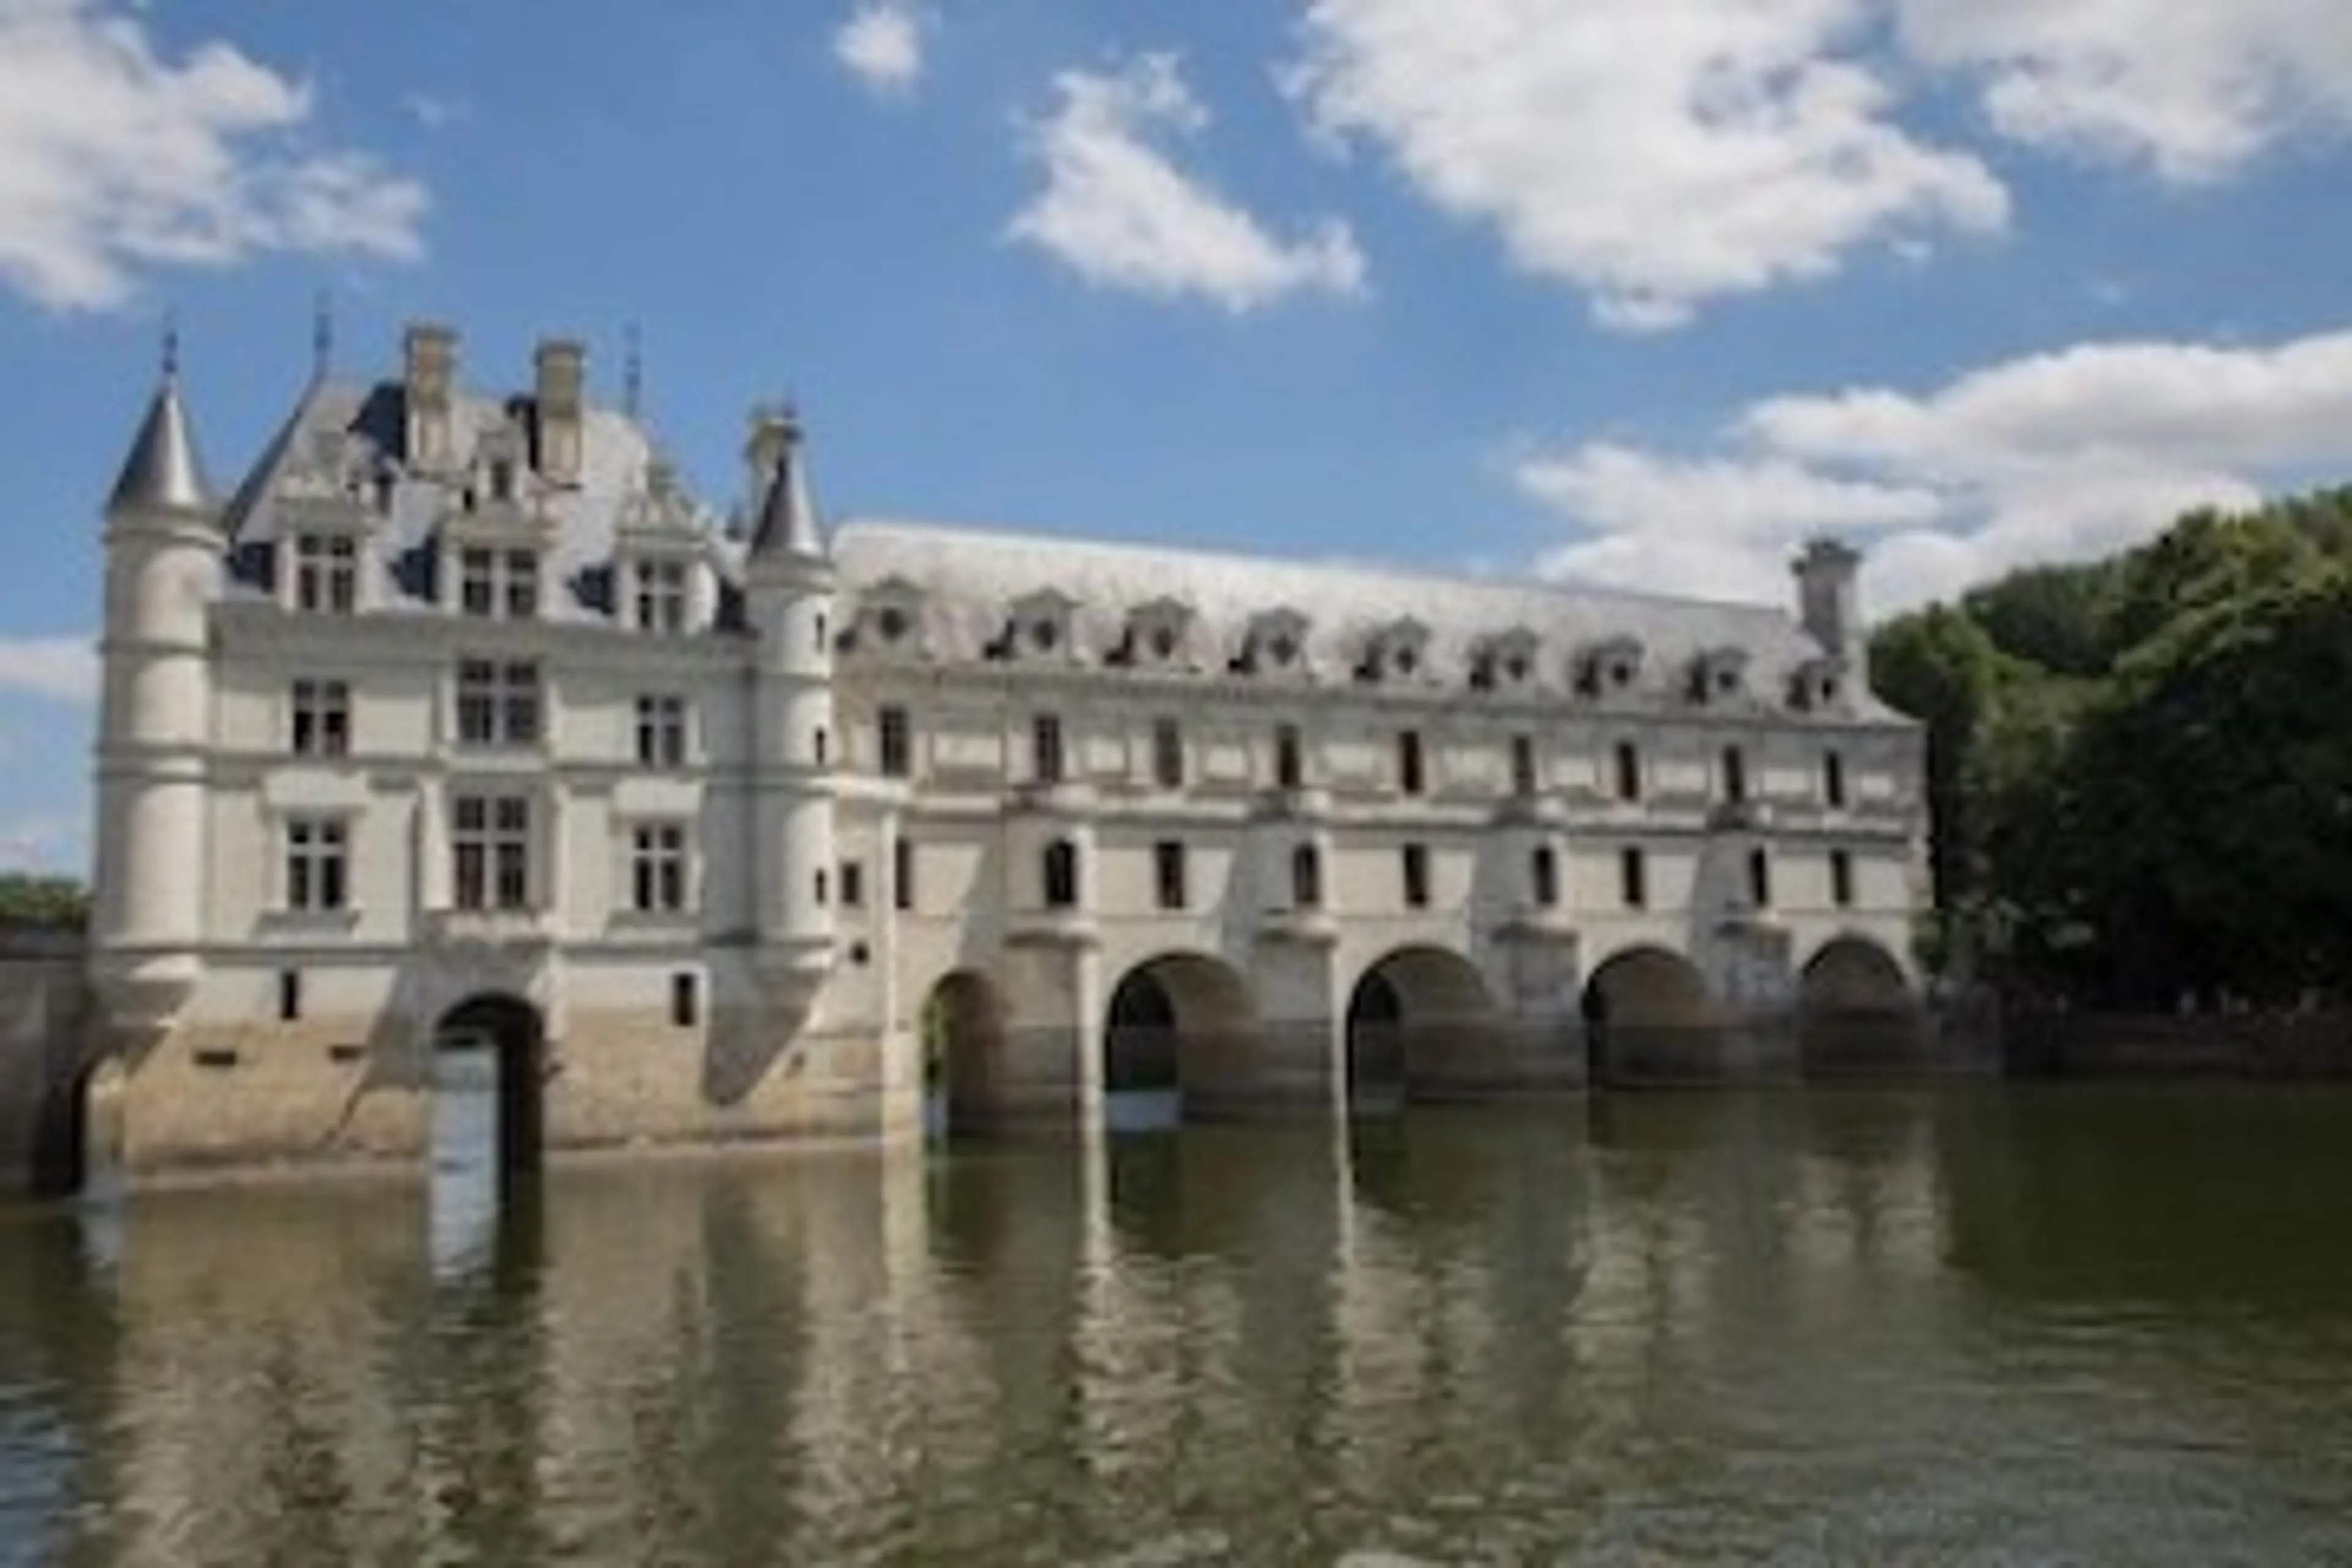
1306 877
1061 875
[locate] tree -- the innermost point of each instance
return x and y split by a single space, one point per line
30 903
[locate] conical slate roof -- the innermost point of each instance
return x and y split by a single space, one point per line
162 470
788 524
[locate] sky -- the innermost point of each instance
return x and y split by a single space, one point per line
1637 295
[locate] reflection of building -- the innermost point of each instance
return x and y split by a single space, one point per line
462 705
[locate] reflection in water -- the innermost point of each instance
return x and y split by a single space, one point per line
2009 1327
463 1158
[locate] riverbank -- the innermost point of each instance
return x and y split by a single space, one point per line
2302 1046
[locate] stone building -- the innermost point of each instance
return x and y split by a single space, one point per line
461 717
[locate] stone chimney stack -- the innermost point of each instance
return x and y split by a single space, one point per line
560 383
1828 605
429 381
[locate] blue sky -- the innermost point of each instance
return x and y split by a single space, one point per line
1632 294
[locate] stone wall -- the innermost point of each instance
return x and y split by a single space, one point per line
44 1014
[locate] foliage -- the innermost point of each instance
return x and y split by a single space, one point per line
2140 788
29 902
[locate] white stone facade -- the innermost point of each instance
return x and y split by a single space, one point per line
464 700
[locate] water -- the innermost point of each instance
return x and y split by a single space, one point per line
2020 1326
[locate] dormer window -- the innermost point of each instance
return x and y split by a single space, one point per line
1719 675
1505 663
1275 643
502 479
1040 628
1610 667
497 584
890 619
660 596
324 574
1156 633
1817 685
1396 652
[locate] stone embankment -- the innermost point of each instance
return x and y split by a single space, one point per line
43 1034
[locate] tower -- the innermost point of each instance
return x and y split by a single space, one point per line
163 547
789 596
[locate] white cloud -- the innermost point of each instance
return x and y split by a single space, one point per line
2055 457
1117 210
115 160
1657 156
45 842
2190 88
883 44
63 668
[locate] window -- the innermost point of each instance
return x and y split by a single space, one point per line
290 995
1735 775
1061 875
1289 770
820 746
822 884
661 595
661 731
1168 873
1166 754
492 583
894 743
1633 879
1046 748
685 1000
658 867
497 702
1759 878
902 873
322 713
1307 876
1833 780
490 844
318 865
1543 875
326 572
1629 772
1523 765
1409 770
853 885
1841 879
1416 876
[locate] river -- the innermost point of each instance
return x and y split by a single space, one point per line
1984 1325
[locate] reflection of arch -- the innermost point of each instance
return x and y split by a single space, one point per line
1855 1009
1647 1011
510 1029
1417 1020
963 1051
1182 1023
77 1133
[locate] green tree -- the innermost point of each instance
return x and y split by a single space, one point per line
30 903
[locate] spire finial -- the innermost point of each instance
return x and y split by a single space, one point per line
322 334
633 375
171 345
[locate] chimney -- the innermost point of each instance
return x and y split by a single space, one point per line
1829 606
559 388
429 384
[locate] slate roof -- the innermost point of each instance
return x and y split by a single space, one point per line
344 438
969 580
161 468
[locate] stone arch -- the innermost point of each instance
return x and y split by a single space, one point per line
1421 1024
1857 1011
1179 1038
1648 1014
962 1027
514 1034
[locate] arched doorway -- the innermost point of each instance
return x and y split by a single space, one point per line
1421 1024
1648 1016
963 1056
1855 1011
489 1079
1179 1038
